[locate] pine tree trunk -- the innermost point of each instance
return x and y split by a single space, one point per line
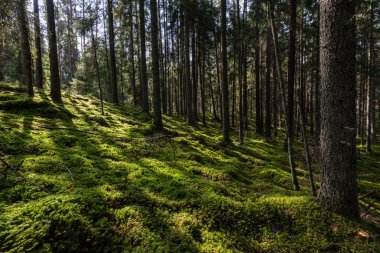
289 141
111 38
317 85
188 84
338 190
157 117
132 54
371 86
291 63
226 116
37 43
268 114
143 75
259 120
55 90
94 46
26 57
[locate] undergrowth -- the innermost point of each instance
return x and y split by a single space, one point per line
114 184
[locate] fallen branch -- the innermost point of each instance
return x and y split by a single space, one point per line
366 195
14 169
66 168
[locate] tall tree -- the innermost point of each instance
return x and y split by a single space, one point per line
289 141
132 54
157 117
143 76
188 83
37 43
371 88
259 119
338 190
26 57
268 115
111 38
55 84
291 63
225 100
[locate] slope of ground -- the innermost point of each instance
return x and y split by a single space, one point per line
91 183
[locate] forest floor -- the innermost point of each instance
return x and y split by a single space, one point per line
83 182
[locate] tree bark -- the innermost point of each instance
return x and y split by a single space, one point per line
226 116
188 84
259 120
55 90
111 38
143 76
37 43
291 63
338 190
268 114
26 57
157 117
289 141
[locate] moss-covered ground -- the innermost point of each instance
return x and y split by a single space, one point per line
113 184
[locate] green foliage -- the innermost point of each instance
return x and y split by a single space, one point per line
118 185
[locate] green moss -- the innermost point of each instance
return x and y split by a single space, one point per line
118 185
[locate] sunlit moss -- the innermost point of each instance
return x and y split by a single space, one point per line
116 184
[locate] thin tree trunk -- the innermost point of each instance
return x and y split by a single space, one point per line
226 116
97 70
111 38
371 87
291 64
268 114
157 117
189 88
37 42
283 103
55 90
143 75
259 120
132 55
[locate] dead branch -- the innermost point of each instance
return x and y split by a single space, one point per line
14 169
366 195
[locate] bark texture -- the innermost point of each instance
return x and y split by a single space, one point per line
55 90
338 190
157 117
37 44
111 38
26 57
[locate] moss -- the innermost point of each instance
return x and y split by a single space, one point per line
115 189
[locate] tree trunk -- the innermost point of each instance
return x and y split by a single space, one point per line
157 117
371 86
259 120
37 43
55 90
111 38
189 88
291 64
132 55
143 76
289 141
338 190
226 116
268 114
94 46
26 57
317 85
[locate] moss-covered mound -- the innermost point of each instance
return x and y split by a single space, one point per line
111 183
